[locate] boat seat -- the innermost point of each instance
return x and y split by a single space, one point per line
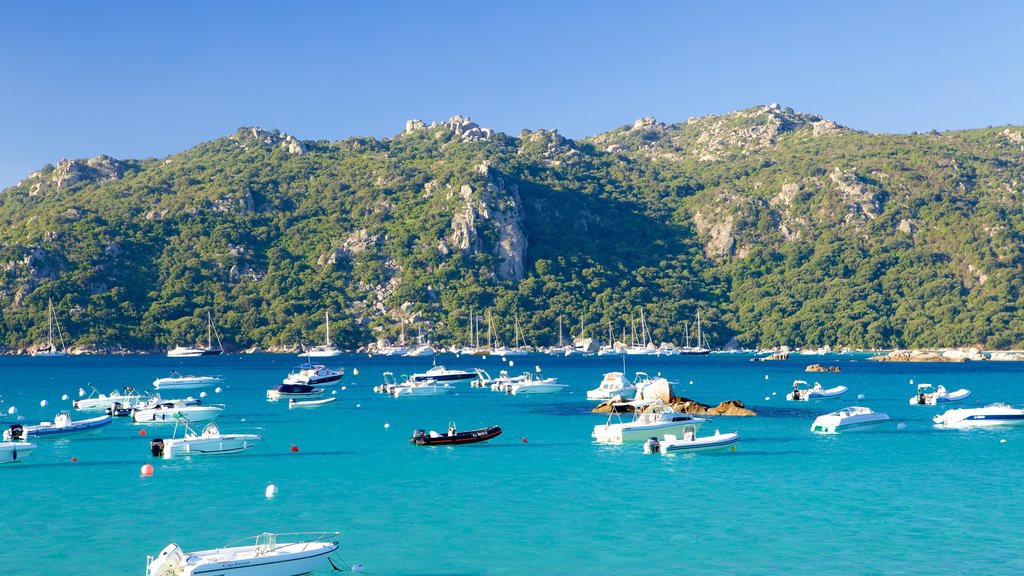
434 434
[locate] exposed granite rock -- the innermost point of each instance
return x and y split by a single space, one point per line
930 356
858 195
686 406
1006 356
820 368
775 356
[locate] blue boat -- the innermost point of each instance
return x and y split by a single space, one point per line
62 425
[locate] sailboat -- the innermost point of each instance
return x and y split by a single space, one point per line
399 349
644 346
193 351
701 348
609 348
325 350
50 348
423 347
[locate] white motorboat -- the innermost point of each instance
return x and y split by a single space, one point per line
997 414
803 393
443 375
536 385
293 403
263 555
11 452
689 442
313 374
499 384
210 441
421 350
420 388
186 352
651 417
853 418
613 384
926 395
62 425
99 402
325 350
50 349
178 382
294 391
169 411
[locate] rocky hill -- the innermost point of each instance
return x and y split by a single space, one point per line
781 227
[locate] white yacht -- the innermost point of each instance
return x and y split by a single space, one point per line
928 395
263 555
294 391
177 381
325 350
313 375
536 385
209 441
50 349
613 384
651 418
443 375
997 414
849 419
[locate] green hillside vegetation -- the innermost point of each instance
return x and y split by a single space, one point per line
780 227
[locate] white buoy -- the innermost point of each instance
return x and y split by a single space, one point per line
21 418
387 425
765 376
359 405
485 357
343 388
860 396
271 490
64 397
43 403
511 363
1003 441
202 394
12 410
774 393
504 360
767 397
355 371
691 382
334 392
244 420
901 426
357 567
217 390
81 391
911 381
536 368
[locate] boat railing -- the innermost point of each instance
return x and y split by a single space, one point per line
293 541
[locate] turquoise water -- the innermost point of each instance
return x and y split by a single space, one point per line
894 501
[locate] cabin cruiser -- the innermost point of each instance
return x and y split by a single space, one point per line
62 425
190 352
997 414
651 417
11 452
613 384
442 375
263 555
210 441
536 385
176 381
313 374
294 391
168 411
926 395
802 393
689 442
848 419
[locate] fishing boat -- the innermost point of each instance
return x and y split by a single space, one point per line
62 425
443 375
997 414
209 441
453 436
11 452
650 417
325 350
193 351
802 393
613 384
177 381
293 403
264 555
313 374
536 385
100 402
690 442
926 395
294 391
50 349
169 411
853 418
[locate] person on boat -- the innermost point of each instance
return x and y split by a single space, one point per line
796 391
451 429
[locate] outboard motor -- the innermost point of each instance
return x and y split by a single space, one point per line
156 446
17 432
418 435
652 445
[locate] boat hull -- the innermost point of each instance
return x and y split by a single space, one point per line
11 452
169 415
619 433
246 561
225 444
467 437
537 389
186 382
309 403
78 427
706 444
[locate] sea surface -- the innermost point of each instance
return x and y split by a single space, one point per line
542 498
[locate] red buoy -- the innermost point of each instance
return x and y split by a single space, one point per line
524 439
74 459
295 448
147 470
142 432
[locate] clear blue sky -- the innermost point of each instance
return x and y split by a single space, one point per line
138 79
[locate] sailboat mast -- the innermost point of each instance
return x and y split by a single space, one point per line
700 341
327 321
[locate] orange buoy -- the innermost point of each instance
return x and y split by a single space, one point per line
142 432
147 470
295 448
74 459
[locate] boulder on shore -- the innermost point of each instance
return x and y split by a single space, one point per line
928 356
684 405
776 356
820 368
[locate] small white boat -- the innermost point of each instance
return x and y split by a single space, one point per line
422 350
613 384
927 396
536 385
689 442
169 411
11 452
313 374
802 393
997 414
853 418
263 555
62 425
296 391
293 403
500 384
210 441
177 382
420 388
652 417
99 402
